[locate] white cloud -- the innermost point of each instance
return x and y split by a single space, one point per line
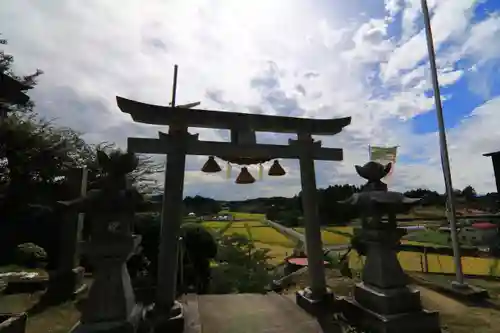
450 20
278 57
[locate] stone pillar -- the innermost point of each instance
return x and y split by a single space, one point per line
110 306
67 279
167 311
316 298
71 230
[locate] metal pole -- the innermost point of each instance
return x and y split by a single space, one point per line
443 145
174 87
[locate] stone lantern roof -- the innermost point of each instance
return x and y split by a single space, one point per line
11 90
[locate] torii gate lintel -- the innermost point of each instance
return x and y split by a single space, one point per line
166 143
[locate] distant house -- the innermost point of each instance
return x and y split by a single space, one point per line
218 217
476 234
226 217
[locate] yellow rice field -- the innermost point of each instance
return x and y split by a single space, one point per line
348 230
269 235
276 252
263 236
214 224
280 246
329 238
414 262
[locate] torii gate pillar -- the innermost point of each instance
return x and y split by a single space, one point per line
171 220
315 299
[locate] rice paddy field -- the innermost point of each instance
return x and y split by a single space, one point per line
265 237
280 246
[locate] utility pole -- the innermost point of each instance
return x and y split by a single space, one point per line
445 162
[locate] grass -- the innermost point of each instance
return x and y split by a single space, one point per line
54 319
57 319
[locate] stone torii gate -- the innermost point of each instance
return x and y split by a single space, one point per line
179 142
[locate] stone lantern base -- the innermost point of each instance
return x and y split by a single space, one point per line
384 302
315 307
110 306
377 310
161 320
130 325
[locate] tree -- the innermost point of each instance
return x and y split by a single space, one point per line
6 62
469 193
242 268
35 154
201 205
34 157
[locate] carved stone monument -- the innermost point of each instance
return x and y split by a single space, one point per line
384 302
111 305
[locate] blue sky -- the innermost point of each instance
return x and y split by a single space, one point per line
463 102
361 58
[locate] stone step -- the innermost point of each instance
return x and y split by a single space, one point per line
242 313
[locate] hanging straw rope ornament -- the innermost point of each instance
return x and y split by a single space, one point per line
243 137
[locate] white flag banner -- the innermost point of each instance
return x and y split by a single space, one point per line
384 155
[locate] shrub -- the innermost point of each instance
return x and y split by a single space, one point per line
31 255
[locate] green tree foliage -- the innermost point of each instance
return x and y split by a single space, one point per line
200 247
201 206
34 155
469 193
242 268
199 242
330 210
430 198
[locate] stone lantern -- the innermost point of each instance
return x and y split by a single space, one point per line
11 92
383 301
110 306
